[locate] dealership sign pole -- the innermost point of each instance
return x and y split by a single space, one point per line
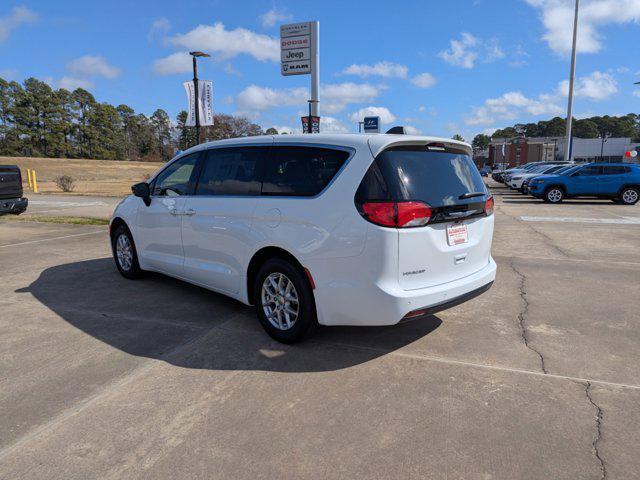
299 55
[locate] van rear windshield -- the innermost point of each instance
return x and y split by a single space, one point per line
438 178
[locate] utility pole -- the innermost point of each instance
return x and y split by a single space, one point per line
568 150
195 55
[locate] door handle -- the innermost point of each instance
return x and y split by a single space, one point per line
189 212
173 211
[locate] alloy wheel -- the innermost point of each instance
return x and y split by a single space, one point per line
124 252
280 301
554 195
630 196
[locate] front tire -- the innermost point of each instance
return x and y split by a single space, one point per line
125 254
284 301
629 196
554 195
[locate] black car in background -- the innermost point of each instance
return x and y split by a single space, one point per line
11 199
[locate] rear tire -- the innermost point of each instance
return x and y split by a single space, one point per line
125 254
629 196
554 195
284 301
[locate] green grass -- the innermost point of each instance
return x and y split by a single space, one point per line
57 219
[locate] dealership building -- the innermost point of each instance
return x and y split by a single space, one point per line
520 150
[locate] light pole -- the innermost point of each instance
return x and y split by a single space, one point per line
195 55
568 152
605 137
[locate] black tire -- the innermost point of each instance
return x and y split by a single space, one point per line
130 270
629 196
306 320
553 195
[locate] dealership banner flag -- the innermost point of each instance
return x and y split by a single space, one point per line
205 102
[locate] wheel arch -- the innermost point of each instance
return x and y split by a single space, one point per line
556 185
261 256
116 222
628 185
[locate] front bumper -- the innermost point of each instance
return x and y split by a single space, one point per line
13 205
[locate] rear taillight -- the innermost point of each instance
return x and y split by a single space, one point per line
397 214
488 206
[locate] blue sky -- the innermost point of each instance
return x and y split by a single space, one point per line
460 66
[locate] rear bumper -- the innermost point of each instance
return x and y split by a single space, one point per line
380 305
13 205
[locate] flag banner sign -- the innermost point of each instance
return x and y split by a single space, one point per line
310 124
205 103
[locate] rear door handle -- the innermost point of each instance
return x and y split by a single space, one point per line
189 212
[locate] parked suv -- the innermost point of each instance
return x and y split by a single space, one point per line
617 181
11 199
329 229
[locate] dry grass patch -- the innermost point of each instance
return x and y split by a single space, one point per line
91 177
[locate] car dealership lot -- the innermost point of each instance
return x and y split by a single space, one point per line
538 378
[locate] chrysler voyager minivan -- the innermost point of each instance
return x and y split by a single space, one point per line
316 229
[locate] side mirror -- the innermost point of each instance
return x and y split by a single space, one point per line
143 191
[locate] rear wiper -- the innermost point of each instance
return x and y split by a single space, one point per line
464 196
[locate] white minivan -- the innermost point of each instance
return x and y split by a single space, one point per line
336 229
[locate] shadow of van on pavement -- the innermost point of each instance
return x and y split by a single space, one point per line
187 326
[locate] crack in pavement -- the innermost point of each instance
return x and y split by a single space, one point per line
522 316
596 441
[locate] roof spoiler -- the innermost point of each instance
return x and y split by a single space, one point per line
399 130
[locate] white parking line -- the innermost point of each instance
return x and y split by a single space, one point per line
614 221
53 238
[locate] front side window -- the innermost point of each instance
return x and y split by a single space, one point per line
301 171
177 179
232 171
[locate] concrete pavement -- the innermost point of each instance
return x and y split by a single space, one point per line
107 378
71 205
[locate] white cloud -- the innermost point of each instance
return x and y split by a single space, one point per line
255 99
385 115
224 44
511 105
71 83
284 129
18 16
636 93
382 69
90 65
335 97
179 62
412 130
469 49
332 125
273 16
424 80
557 19
9 74
231 70
597 86
462 52
159 27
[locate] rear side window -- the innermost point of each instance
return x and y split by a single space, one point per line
438 178
301 171
232 171
616 170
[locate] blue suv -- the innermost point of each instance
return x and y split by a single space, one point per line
617 181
